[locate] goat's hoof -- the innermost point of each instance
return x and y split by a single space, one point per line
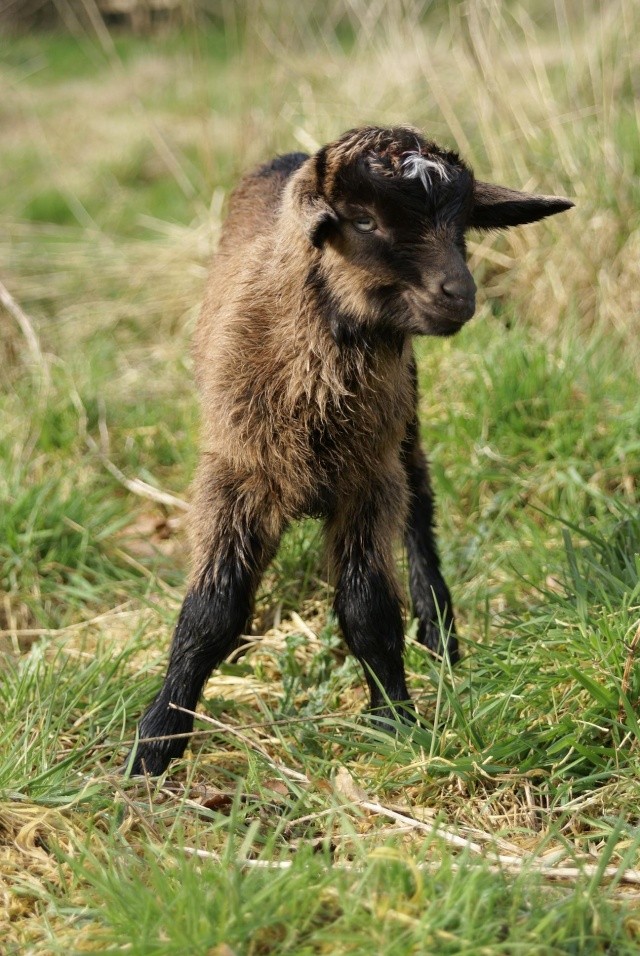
399 718
147 761
440 640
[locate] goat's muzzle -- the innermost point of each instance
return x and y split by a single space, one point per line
459 293
443 304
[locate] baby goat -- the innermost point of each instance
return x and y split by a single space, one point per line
327 266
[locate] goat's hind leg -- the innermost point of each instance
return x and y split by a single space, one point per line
232 548
430 595
367 600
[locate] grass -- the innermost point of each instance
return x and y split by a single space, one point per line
276 833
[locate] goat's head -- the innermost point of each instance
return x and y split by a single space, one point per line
394 208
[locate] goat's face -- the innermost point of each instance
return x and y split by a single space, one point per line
389 210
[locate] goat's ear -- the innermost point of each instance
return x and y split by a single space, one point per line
495 207
319 219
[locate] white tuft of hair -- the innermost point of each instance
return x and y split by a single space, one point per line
417 166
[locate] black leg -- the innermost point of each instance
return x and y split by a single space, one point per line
430 595
232 550
367 600
214 614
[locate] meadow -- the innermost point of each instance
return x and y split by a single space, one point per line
508 820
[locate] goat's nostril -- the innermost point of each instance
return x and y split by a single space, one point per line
458 288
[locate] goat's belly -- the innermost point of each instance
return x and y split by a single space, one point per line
320 503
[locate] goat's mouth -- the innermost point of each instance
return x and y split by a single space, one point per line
438 315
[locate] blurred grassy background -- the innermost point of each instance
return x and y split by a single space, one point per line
117 151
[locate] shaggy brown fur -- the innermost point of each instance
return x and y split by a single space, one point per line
327 266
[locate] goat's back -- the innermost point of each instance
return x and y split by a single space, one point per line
254 202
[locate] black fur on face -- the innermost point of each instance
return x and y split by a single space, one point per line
418 198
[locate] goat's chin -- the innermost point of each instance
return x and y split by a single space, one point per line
445 328
426 318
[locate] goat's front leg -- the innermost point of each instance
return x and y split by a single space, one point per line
233 544
367 600
430 595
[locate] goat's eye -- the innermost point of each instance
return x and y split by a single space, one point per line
365 224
